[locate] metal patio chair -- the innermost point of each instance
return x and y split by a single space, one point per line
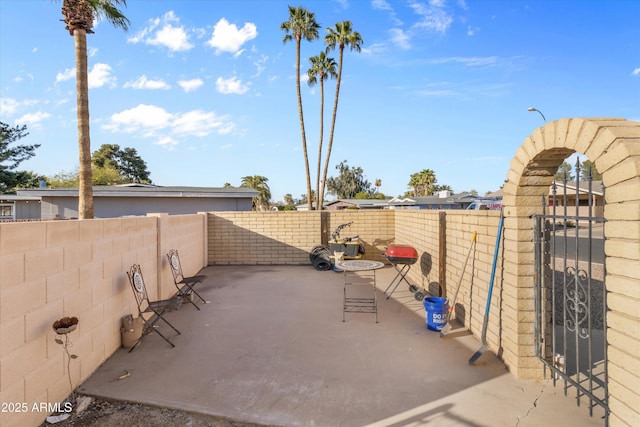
145 306
184 284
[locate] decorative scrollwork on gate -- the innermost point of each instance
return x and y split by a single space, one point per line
577 302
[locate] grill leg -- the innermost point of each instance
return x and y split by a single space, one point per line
400 276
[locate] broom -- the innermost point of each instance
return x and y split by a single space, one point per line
485 344
446 328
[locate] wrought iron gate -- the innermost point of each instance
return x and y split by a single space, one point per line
570 296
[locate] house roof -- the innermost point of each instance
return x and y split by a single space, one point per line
140 190
360 202
17 198
596 187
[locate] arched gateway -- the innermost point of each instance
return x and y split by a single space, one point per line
613 145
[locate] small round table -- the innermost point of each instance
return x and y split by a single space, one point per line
359 273
358 265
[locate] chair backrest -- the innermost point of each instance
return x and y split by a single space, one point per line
174 263
139 288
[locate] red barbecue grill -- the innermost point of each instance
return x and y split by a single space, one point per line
402 257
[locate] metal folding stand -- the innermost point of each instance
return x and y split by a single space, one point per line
400 276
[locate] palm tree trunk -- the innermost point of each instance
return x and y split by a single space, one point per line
85 189
318 198
304 136
333 126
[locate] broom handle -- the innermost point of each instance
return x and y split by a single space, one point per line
493 275
455 294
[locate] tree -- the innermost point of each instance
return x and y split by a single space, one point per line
63 179
438 188
564 172
258 183
341 35
288 199
11 157
588 167
301 25
126 162
422 182
78 17
322 68
349 182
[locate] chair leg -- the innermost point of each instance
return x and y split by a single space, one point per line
160 316
148 328
186 294
199 296
191 286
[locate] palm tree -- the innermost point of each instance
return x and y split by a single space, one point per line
301 25
78 17
342 35
422 180
258 183
322 68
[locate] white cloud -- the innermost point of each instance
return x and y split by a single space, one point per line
167 142
144 119
163 32
10 106
67 74
400 38
260 65
231 86
143 82
32 119
380 5
227 37
433 17
199 123
636 72
190 85
168 129
100 75
469 61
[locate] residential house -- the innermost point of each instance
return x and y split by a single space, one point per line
140 199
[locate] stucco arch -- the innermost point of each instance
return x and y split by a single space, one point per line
614 146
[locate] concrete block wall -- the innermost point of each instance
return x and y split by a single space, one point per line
287 237
255 238
53 269
421 229
375 228
187 234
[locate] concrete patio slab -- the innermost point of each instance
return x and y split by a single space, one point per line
271 348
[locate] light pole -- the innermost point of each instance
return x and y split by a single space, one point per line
535 109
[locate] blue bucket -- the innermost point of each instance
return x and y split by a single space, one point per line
436 308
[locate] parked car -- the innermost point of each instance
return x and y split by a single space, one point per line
484 205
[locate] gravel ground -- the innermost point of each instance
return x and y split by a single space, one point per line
104 413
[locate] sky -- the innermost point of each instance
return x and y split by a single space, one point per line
205 90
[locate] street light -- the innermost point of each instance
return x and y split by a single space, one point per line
535 109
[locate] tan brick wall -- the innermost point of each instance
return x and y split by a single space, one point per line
262 237
287 237
53 269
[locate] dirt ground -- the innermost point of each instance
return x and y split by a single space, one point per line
104 413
